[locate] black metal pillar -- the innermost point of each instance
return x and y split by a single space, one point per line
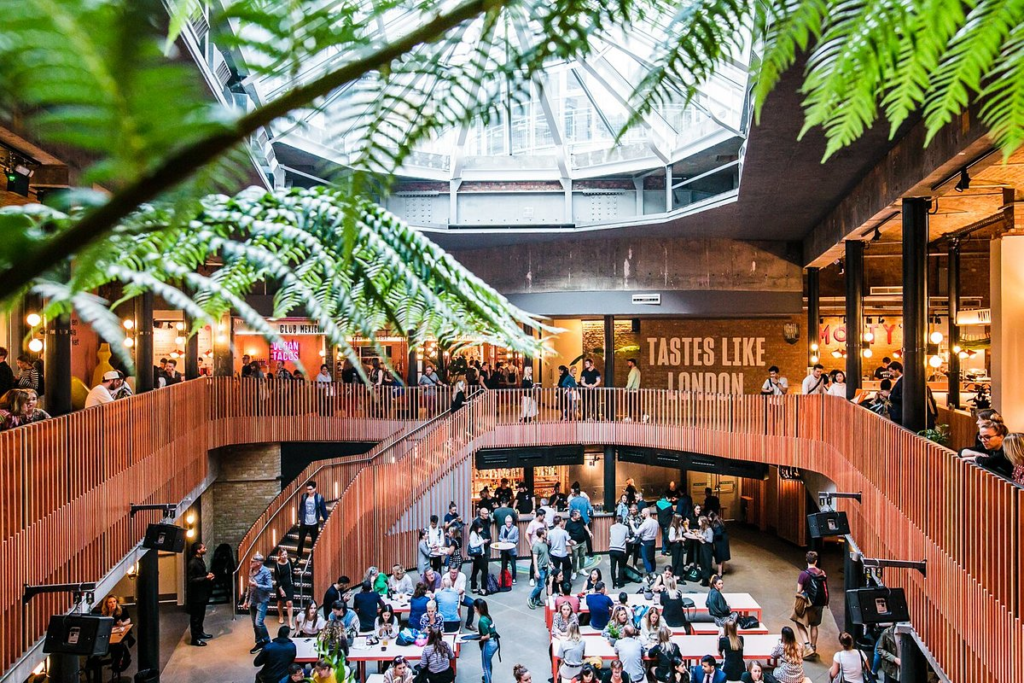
191 351
953 331
915 312
57 368
412 377
854 315
853 578
530 480
609 479
913 665
144 343
223 348
147 588
813 311
64 669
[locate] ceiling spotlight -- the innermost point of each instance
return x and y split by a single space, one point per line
965 181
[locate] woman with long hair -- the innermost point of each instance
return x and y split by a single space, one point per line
478 552
789 658
555 579
283 575
1013 450
588 674
676 542
730 647
664 653
705 537
672 612
519 672
571 651
754 673
529 407
650 624
488 638
437 659
593 579
21 409
418 604
837 385
309 622
386 625
562 620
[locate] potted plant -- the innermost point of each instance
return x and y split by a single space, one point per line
940 434
330 646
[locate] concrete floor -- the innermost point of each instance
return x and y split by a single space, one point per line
762 565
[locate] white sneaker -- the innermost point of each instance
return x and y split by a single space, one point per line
533 582
627 419
573 577
647 418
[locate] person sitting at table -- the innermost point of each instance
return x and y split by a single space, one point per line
650 624
400 583
568 597
556 577
309 622
120 655
386 625
296 674
571 650
418 604
672 606
754 672
789 658
664 653
431 619
367 605
378 580
659 580
323 672
437 658
718 608
563 618
431 579
333 640
621 618
398 672
448 601
275 657
593 579
730 647
342 614
588 674
631 654
706 672
600 606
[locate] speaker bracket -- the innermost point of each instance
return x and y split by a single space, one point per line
169 509
825 497
79 590
873 566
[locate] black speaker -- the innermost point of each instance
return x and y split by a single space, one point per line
636 325
165 537
830 523
78 634
877 605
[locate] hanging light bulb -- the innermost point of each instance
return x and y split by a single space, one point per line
956 349
936 337
867 353
869 336
129 342
323 353
33 319
814 347
179 326
837 354
179 340
129 324
935 361
35 346
174 354
814 359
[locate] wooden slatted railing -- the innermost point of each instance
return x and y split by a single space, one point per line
67 483
920 501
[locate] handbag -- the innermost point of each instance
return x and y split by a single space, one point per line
476 551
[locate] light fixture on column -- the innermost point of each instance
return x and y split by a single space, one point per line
36 345
129 342
935 361
814 359
179 326
869 336
33 319
867 353
936 337
814 347
128 324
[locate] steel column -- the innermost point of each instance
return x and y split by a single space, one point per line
953 331
854 315
915 311
57 370
191 351
144 378
813 310
147 584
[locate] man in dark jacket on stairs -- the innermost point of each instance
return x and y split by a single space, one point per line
312 511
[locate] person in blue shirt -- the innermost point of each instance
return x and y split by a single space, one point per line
706 672
257 598
341 612
600 606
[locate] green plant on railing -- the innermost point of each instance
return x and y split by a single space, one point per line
329 647
939 434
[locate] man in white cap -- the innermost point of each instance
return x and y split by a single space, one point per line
101 393
257 599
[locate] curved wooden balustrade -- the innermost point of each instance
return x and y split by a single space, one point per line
920 501
66 484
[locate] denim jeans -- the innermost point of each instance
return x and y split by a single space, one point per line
486 655
539 588
258 612
647 553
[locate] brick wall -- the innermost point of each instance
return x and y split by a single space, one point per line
250 477
720 355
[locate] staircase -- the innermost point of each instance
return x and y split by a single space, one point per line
301 578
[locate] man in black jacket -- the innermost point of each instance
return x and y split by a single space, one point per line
896 394
312 511
275 657
200 581
339 590
6 374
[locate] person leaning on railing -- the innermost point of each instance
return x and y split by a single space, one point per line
991 455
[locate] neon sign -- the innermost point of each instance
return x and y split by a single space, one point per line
287 351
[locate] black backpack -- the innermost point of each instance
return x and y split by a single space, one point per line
816 589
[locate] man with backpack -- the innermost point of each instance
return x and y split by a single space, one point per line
812 590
